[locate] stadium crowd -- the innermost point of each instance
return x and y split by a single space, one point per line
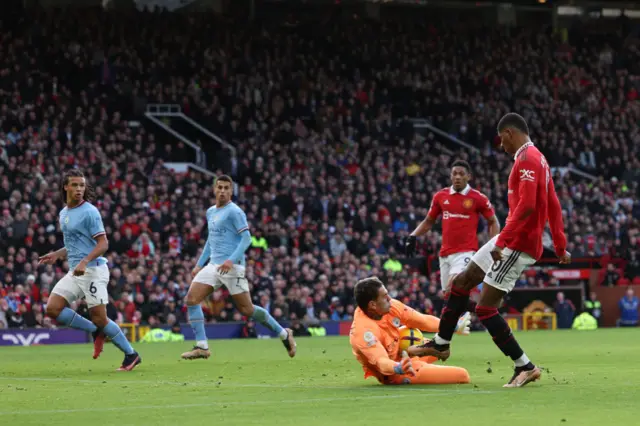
330 170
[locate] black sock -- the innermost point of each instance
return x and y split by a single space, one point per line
455 306
471 306
500 331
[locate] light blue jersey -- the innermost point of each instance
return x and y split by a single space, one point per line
80 226
229 235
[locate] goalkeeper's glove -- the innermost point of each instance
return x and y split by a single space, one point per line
463 324
404 366
410 246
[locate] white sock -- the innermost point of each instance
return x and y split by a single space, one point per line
284 334
440 341
202 344
522 361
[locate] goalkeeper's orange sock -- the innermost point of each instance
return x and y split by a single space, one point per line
429 374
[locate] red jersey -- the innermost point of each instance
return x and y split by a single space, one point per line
460 214
531 189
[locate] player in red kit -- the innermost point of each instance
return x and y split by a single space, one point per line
460 207
532 202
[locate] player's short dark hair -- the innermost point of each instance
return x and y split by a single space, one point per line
366 290
89 191
514 121
224 178
461 163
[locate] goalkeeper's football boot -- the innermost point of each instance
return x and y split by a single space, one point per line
523 375
290 343
431 348
197 352
130 362
98 343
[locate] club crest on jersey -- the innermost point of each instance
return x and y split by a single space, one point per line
468 203
369 338
396 322
66 219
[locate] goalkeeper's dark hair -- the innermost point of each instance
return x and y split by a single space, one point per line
89 191
366 290
514 121
461 163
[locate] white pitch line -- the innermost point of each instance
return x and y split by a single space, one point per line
208 404
223 384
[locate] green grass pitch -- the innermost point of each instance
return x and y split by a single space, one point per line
591 379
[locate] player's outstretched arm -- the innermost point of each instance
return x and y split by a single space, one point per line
205 255
423 322
494 226
430 323
238 253
486 210
368 344
424 227
556 224
53 257
414 319
242 246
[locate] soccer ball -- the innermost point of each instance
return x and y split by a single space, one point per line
410 337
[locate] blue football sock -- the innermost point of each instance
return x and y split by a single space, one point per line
262 316
196 319
118 338
73 320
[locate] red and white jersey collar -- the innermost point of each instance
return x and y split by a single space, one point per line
465 191
522 148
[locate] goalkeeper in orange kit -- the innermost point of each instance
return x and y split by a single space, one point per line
374 339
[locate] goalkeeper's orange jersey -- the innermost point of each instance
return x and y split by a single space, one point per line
375 343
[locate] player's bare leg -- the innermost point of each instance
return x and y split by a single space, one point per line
490 300
455 306
248 309
55 305
196 294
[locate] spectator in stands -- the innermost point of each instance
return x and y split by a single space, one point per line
299 329
564 310
611 276
628 309
249 330
632 269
